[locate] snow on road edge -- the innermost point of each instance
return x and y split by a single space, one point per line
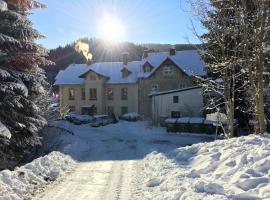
237 168
24 181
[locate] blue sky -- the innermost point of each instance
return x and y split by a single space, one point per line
144 21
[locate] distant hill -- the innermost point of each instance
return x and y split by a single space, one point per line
102 52
166 47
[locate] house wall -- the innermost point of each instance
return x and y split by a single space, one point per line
99 85
102 101
64 97
164 83
190 104
131 103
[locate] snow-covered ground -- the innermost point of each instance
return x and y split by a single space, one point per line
130 160
24 181
230 169
110 168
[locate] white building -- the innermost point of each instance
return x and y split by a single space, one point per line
187 102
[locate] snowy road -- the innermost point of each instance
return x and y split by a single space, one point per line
111 169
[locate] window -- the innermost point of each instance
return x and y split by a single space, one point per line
71 94
175 114
124 93
93 77
83 93
168 70
147 69
175 99
71 108
110 110
110 93
182 85
93 93
154 88
124 110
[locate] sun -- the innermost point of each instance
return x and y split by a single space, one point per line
111 29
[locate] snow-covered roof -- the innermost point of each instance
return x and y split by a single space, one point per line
174 91
112 70
188 61
71 75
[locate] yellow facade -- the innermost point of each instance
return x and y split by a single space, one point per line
93 80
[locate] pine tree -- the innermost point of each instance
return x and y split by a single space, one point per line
22 82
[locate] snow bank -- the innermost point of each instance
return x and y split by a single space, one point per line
238 168
3 5
23 181
4 132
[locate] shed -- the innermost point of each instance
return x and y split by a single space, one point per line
185 102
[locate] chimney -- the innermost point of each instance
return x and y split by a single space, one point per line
125 58
172 51
145 53
88 62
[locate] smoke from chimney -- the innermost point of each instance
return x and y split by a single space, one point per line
83 48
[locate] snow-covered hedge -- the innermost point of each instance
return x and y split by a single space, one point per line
237 168
24 181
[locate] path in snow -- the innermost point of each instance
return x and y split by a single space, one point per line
111 169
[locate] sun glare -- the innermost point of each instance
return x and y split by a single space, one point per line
111 29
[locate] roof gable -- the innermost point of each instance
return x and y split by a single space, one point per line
164 63
188 61
91 70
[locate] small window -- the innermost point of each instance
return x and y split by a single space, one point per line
124 110
182 85
83 93
124 93
110 94
168 70
71 94
147 69
110 110
175 99
175 114
93 77
154 88
93 94
71 108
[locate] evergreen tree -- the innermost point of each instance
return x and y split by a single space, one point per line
23 87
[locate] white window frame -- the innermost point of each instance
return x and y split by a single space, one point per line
168 70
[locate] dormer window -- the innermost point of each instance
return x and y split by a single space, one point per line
168 70
147 67
125 72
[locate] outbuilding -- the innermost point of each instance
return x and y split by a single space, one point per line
186 102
